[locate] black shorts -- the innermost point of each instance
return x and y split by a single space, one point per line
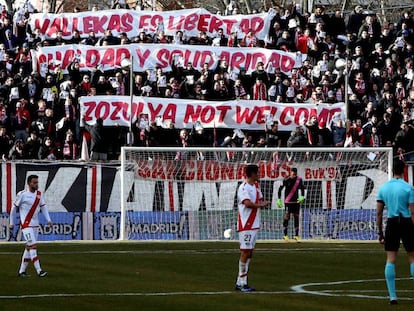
399 229
292 208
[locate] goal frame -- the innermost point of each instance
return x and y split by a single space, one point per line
126 149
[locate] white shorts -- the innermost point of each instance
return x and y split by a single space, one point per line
247 239
30 235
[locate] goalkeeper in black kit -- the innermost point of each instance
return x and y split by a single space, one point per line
294 196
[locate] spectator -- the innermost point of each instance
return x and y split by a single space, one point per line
99 145
18 151
338 133
404 141
33 145
324 135
298 138
70 149
273 138
259 91
5 143
312 131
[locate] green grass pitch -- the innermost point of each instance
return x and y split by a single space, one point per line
201 276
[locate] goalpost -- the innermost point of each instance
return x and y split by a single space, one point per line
191 193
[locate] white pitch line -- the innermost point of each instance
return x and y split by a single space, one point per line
301 289
197 252
161 294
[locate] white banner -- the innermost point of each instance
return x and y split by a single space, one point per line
190 21
241 114
149 56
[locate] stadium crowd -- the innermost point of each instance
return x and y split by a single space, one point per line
40 116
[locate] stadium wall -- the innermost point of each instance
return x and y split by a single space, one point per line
84 200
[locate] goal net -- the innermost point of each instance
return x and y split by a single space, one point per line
191 193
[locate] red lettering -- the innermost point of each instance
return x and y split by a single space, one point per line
142 56
154 111
92 58
90 107
102 110
170 169
274 59
191 114
99 24
108 58
227 171
287 115
287 63
66 32
114 23
127 21
245 116
87 24
117 108
75 22
143 169
212 170
136 110
258 57
215 24
301 114
200 170
42 24
121 53
207 114
244 25
54 27
125 111
157 169
206 57
180 23
240 172
170 112
163 57
222 112
262 114
155 20
144 21
237 60
308 173
203 22
229 23
189 172
191 22
256 24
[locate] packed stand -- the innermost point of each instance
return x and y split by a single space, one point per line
40 115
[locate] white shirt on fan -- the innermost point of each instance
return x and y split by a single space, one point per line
248 218
23 203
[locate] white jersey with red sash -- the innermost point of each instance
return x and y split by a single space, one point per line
29 204
248 218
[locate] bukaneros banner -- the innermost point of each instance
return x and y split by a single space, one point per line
150 56
234 114
190 21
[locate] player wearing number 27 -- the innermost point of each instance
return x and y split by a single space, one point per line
29 203
250 202
398 197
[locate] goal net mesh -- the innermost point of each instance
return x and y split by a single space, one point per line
191 193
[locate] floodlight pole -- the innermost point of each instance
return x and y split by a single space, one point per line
129 63
131 92
346 97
